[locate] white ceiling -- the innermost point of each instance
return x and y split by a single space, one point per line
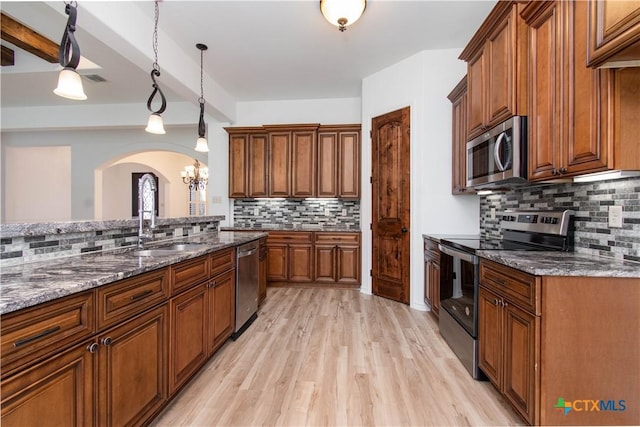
258 50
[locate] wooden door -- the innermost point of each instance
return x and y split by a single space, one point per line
56 392
327 166
257 170
434 288
349 164
277 262
238 165
325 260
348 264
458 98
188 335
390 143
476 94
490 336
303 163
500 72
222 309
300 263
520 360
133 369
545 65
279 164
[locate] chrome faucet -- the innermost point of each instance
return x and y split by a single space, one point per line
142 236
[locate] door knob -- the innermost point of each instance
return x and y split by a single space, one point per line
404 229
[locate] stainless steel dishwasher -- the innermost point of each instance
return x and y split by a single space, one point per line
247 271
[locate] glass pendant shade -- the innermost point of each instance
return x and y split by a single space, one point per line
201 145
155 124
342 13
70 85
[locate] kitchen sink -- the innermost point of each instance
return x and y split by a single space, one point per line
169 250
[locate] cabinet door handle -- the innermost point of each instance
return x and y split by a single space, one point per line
563 170
92 348
495 301
36 337
141 295
106 341
504 304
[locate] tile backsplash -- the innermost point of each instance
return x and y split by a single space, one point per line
296 212
591 203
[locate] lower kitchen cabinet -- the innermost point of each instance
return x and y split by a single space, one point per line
222 309
277 262
189 349
432 275
290 256
133 369
337 258
300 262
58 391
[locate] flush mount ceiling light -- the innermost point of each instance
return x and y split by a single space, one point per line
342 13
155 124
201 143
69 82
195 176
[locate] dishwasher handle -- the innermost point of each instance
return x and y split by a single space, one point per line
246 252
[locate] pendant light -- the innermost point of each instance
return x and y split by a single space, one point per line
342 13
155 124
201 143
69 82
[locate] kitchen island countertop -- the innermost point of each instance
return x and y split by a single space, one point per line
29 284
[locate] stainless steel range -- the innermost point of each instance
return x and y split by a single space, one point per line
459 272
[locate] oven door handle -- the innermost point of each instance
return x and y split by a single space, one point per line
459 254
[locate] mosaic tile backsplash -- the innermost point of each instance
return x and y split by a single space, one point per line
591 203
264 213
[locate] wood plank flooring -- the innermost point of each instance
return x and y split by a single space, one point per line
325 357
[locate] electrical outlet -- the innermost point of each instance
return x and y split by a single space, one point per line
256 211
344 212
493 213
615 216
327 212
216 199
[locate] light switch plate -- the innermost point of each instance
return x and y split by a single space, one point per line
615 216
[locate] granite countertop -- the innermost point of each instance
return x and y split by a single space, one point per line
547 263
438 237
297 227
30 284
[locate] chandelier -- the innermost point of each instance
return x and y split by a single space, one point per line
342 13
195 176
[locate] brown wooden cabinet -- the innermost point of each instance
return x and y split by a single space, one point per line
189 348
458 98
222 309
432 275
508 334
575 111
290 256
57 392
614 33
248 154
496 69
339 161
133 369
294 160
337 258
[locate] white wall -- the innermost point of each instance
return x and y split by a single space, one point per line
323 111
421 82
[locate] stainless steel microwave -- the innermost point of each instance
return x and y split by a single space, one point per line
498 158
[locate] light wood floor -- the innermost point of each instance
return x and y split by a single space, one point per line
325 357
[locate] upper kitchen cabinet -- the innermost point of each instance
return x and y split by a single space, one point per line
614 33
496 69
576 112
247 162
458 98
339 161
292 160
295 160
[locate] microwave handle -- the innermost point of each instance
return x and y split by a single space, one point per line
496 153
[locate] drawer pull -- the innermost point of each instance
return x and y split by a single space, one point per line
36 337
500 281
92 348
141 295
106 341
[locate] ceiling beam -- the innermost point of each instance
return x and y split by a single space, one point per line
7 57
25 38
